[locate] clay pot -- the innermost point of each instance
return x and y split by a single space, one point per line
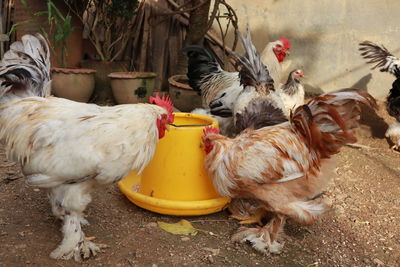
183 96
102 91
73 84
132 87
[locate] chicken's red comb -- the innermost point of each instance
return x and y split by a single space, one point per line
285 42
210 130
164 101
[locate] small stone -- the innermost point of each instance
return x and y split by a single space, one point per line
154 265
214 251
36 189
378 262
22 246
210 259
151 225
342 197
185 238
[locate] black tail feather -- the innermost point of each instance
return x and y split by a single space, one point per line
253 72
380 57
259 113
201 63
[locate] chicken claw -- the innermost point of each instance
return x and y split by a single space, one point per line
90 238
82 251
259 239
395 148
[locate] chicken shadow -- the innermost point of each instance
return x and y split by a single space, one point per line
369 117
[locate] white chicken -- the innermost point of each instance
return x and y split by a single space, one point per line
68 147
280 49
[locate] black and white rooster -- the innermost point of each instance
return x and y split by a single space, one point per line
383 59
220 89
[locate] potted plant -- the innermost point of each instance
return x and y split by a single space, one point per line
183 96
132 87
71 83
108 25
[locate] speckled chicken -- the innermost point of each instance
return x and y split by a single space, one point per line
282 168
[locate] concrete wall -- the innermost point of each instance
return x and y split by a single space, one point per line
325 36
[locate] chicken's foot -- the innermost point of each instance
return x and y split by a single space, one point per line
395 148
262 239
74 244
256 218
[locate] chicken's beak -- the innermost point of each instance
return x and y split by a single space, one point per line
287 52
167 126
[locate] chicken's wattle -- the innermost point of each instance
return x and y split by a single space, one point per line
280 55
161 126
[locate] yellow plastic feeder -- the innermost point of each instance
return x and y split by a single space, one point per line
175 181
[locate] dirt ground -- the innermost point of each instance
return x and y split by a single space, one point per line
362 229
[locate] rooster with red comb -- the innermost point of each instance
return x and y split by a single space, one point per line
71 148
272 55
219 89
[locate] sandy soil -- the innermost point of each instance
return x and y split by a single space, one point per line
362 229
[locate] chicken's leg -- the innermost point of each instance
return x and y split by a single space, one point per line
74 245
304 212
69 202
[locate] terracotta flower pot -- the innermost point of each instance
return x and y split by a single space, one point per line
73 84
102 90
132 87
183 96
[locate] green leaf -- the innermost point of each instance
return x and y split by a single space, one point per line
40 13
59 36
24 4
183 227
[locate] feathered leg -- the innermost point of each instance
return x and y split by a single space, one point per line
69 202
393 132
304 212
263 239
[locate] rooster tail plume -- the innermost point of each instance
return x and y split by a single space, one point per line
328 121
201 63
25 69
253 72
380 57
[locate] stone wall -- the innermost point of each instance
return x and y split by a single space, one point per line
325 36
